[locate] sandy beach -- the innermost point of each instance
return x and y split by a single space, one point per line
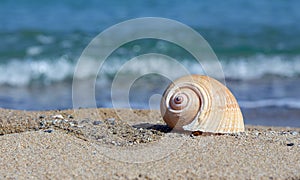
124 144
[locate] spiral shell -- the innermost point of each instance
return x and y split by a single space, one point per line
201 103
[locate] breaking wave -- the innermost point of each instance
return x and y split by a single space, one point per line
20 72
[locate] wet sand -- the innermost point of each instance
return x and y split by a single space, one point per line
124 144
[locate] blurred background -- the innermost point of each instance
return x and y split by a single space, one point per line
257 42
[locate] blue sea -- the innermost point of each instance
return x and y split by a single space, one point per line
256 41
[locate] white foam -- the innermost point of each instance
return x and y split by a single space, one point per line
283 102
141 67
256 67
45 39
34 50
21 73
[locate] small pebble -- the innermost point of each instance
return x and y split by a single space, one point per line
290 144
42 124
84 121
42 116
272 132
58 116
111 121
54 121
48 130
294 133
70 117
97 122
239 134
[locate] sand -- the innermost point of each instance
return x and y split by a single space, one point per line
125 144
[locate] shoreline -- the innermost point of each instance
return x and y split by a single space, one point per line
104 143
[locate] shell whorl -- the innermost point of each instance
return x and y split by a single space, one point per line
201 103
180 106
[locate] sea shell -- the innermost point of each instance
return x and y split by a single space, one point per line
201 103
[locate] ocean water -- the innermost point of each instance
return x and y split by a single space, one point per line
257 43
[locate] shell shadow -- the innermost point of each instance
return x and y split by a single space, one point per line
158 127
